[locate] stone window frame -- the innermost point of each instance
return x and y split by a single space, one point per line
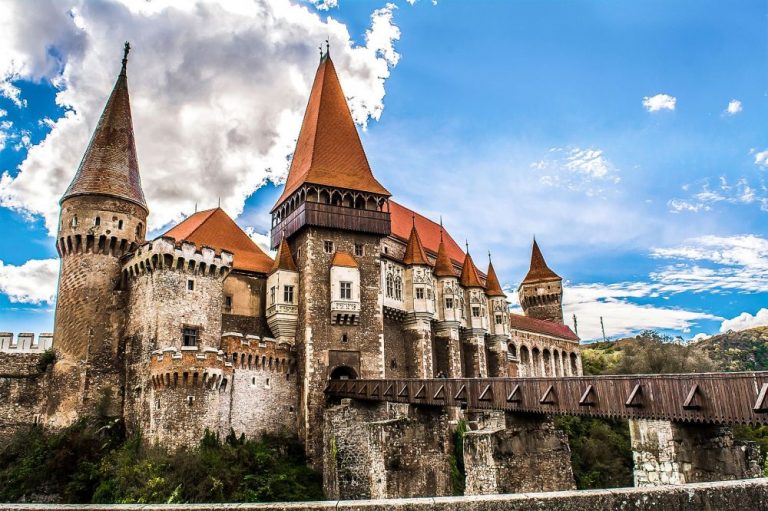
359 249
449 302
228 303
272 295
345 290
499 319
475 311
190 284
390 280
328 246
399 288
288 294
196 328
419 293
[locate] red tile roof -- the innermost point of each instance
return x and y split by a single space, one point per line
109 165
284 258
540 326
414 251
214 228
402 220
328 150
539 271
469 276
443 265
341 258
492 286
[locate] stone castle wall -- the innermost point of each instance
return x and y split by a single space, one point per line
22 391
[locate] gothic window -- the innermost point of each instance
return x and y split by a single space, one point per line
272 293
398 288
390 285
345 290
328 246
419 293
449 302
189 336
74 221
359 251
288 294
498 319
475 312
429 293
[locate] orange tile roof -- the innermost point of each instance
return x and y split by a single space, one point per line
492 286
539 271
540 326
341 258
215 229
469 276
328 150
284 258
109 165
443 265
402 220
414 251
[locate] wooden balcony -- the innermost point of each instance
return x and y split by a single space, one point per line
343 218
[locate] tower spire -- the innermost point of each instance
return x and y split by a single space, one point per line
414 250
539 271
126 50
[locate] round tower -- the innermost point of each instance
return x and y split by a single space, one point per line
103 217
541 292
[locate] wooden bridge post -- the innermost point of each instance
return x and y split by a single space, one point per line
667 452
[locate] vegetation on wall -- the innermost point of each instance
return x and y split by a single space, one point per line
458 472
93 461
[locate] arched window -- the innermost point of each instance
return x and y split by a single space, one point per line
390 285
398 288
139 228
74 221
97 222
119 224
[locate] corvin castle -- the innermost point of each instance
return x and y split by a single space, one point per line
200 329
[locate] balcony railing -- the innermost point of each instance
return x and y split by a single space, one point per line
335 217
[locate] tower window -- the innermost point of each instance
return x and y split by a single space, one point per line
390 285
74 221
429 293
398 289
344 338
345 290
498 319
139 229
97 222
190 285
359 250
475 312
288 294
449 303
272 294
190 336
328 246
119 224
419 293
227 303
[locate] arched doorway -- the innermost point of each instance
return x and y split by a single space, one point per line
343 373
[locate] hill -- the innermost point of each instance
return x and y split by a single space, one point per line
746 350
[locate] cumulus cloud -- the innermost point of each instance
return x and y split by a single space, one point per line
32 282
725 191
324 5
745 320
659 102
577 169
734 107
218 91
761 158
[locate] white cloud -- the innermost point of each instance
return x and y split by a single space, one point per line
32 282
700 337
745 320
659 102
734 107
218 91
761 158
324 5
3 113
577 169
740 192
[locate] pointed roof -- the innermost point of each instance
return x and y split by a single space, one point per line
341 258
110 166
469 276
328 150
539 271
492 286
443 264
284 258
414 251
402 220
214 228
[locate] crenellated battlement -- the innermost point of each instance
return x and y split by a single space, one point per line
165 253
191 366
256 353
25 342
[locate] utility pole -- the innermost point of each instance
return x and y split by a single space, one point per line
602 326
575 325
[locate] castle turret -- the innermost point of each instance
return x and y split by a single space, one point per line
420 307
499 324
541 292
103 217
283 293
476 313
450 313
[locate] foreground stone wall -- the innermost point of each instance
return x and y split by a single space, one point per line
21 392
731 495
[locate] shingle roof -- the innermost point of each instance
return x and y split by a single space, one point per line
539 271
215 229
492 286
341 258
109 165
443 265
469 276
414 251
402 220
284 258
328 150
540 326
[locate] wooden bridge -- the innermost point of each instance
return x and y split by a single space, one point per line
711 398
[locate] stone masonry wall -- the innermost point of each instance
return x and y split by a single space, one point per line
666 452
21 392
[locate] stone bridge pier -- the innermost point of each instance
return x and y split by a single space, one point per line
666 452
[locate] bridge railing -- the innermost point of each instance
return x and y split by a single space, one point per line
713 398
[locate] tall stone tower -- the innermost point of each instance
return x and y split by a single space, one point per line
333 214
541 292
103 216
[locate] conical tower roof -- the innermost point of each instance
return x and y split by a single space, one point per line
539 270
443 264
492 286
414 250
469 276
328 150
110 166
284 258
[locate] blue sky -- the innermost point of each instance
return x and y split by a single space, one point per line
629 138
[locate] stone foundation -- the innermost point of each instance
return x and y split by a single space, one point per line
515 453
666 452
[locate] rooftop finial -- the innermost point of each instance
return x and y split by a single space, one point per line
327 48
466 242
321 52
441 227
126 49
219 201
489 256
413 219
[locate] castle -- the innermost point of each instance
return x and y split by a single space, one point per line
200 329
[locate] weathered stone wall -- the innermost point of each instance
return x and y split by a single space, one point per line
21 392
666 452
543 300
396 356
506 453
386 450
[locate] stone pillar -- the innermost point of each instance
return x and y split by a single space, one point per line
476 364
497 361
667 452
418 331
447 332
508 453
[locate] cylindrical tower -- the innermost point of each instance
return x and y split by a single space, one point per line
103 216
